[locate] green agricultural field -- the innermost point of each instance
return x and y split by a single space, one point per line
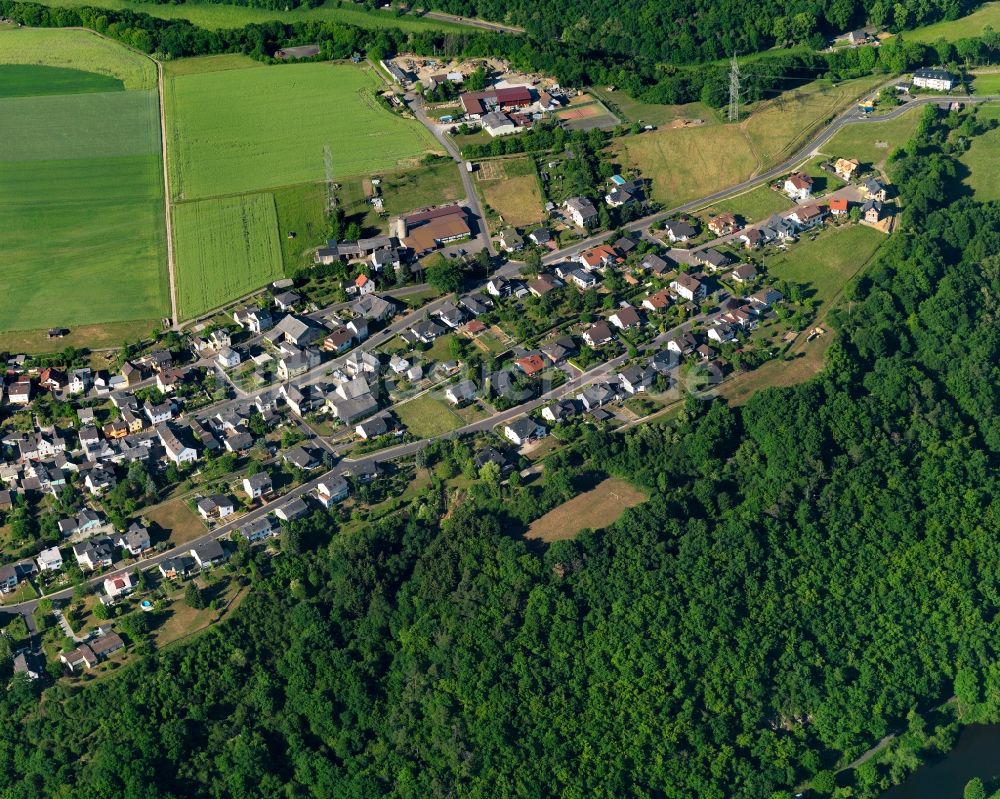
982 159
83 242
754 205
300 211
988 83
30 80
953 30
77 49
214 16
219 143
96 125
207 63
826 264
871 142
225 247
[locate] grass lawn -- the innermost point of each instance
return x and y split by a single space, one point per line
754 205
510 187
215 16
77 49
427 416
827 263
972 25
24 592
823 181
594 509
29 80
872 142
105 335
986 84
982 159
219 143
632 110
491 344
225 248
184 620
429 184
207 63
416 300
176 520
300 211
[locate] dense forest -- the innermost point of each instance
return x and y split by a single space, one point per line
811 570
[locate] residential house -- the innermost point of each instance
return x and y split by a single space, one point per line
177 450
52 379
657 301
871 211
168 380
751 239
540 237
131 374
208 553
50 560
256 320
300 458
635 379
177 566
296 330
655 264
79 381
582 279
361 362
743 273
624 246
359 327
426 331
688 287
364 284
723 224
95 553
510 240
19 392
682 344
543 284
873 190
135 540
857 37
798 186
387 258
100 479
332 490
257 485
712 258
531 364
216 506
287 300
498 287
339 340
678 230
372 428
260 528
228 358
450 314
524 431
493 455
721 332
581 211
476 304
765 298
373 308
160 413
560 411
461 393
12 574
598 334
559 350
29 664
846 168
625 318
597 395
118 585
598 257
497 123
807 216
839 206
936 79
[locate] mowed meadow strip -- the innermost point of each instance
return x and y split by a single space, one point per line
594 509
77 49
32 80
225 247
243 130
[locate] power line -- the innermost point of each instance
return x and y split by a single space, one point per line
734 90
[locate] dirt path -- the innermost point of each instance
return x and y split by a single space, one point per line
171 273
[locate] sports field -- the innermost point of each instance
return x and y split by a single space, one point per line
249 129
685 163
225 247
871 142
77 49
81 191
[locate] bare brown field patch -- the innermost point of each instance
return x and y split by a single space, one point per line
595 509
